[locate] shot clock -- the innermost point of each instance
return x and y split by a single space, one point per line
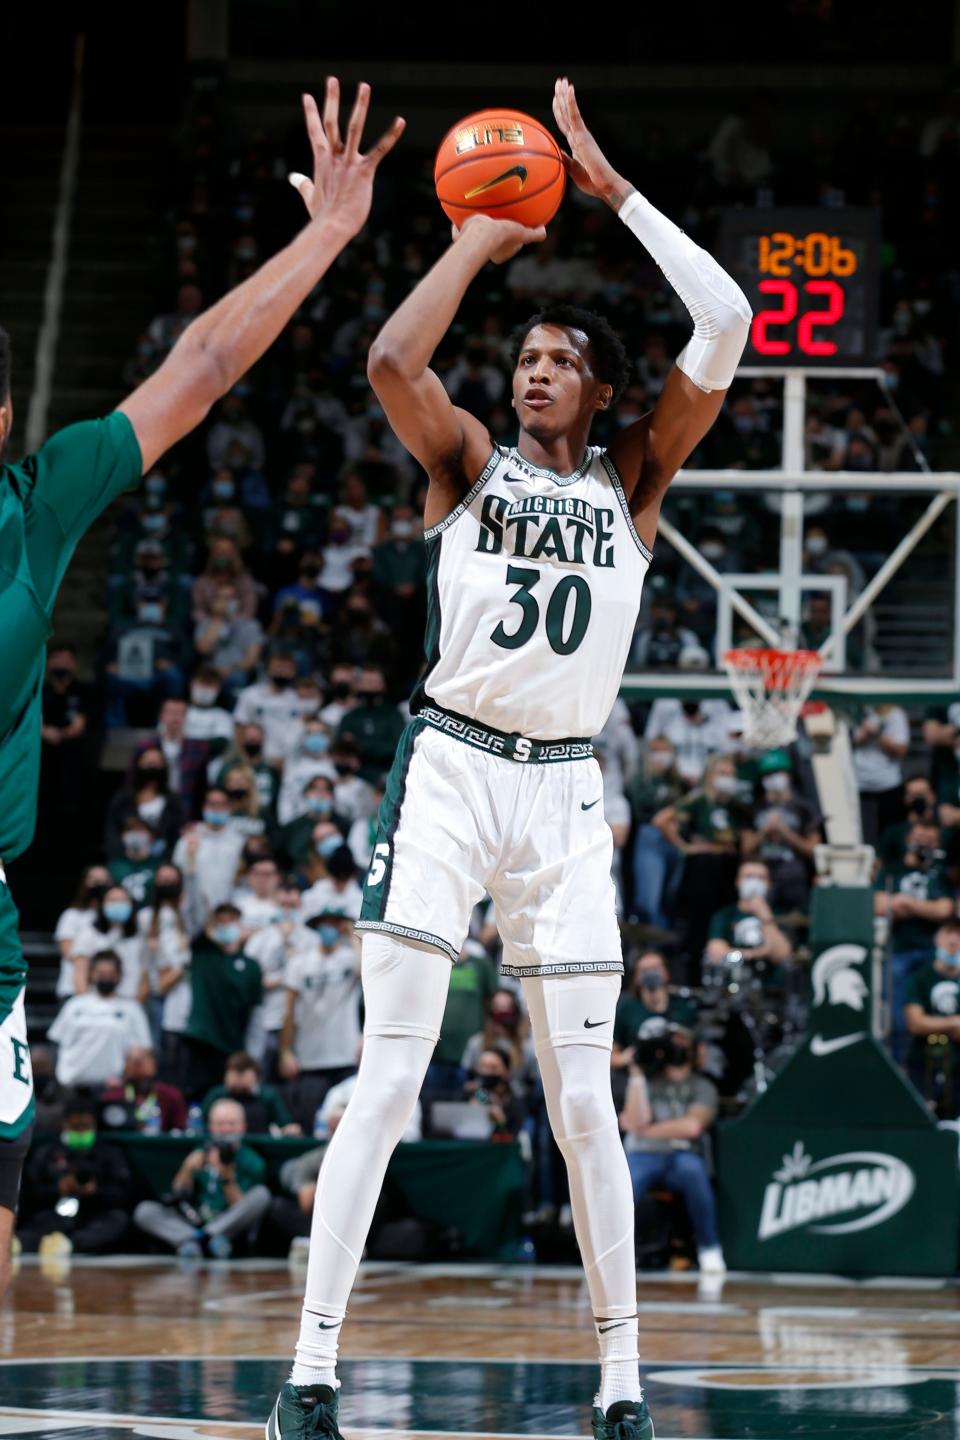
811 278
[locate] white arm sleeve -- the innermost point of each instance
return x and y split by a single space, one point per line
719 309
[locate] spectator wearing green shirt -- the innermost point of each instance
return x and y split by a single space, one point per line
399 576
375 725
706 827
919 803
933 1021
748 925
263 1105
219 1192
649 996
915 897
473 981
136 869
227 986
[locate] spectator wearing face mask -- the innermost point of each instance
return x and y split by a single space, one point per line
320 1036
659 640
706 826
224 564
153 568
916 898
247 815
296 839
185 757
218 1194
273 704
310 760
506 1028
244 761
335 889
948 795
208 853
304 590
341 556
817 628
225 516
95 1030
473 982
783 833
207 720
295 525
490 1084
748 925
696 729
226 987
49 1094
146 663
360 638
941 733
273 947
657 863
233 425
354 795
83 1168
114 928
139 1101
362 835
399 576
621 749
66 705
146 797
230 643
932 1018
78 916
341 693
263 1106
920 807
367 523
668 1111
880 743
165 927
373 724
648 997
137 863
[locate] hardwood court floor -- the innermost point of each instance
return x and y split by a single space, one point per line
127 1348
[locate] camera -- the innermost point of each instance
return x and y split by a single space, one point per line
226 1150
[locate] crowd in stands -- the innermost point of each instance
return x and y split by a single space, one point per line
266 602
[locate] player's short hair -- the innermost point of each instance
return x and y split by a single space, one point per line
613 364
5 357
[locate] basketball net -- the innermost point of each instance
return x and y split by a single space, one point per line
771 687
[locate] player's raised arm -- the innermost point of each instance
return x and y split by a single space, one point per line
226 340
649 452
451 445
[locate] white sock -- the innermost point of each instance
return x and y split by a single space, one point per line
316 1353
618 1340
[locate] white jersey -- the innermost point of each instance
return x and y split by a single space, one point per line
533 591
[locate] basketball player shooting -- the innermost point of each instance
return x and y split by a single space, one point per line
49 499
537 556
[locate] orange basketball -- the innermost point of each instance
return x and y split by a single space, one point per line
501 163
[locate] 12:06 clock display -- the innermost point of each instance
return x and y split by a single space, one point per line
811 278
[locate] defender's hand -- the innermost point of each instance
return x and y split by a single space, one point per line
500 238
587 166
342 186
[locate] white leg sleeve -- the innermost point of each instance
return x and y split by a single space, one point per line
720 311
405 991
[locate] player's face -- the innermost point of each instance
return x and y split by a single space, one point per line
555 385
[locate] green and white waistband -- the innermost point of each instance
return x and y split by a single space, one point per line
497 742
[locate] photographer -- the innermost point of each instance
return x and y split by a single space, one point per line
217 1195
648 997
490 1085
915 897
668 1111
83 1188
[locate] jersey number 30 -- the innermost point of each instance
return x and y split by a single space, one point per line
556 612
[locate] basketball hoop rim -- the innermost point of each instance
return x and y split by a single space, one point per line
772 665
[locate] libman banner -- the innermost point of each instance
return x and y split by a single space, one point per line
839 1166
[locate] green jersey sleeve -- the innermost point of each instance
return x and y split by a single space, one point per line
67 484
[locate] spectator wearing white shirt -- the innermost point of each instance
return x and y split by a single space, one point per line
114 928
205 719
208 854
274 705
274 947
336 892
320 1038
95 1031
310 759
354 796
367 523
255 894
338 1098
880 744
164 929
341 694
696 729
340 555
78 916
620 747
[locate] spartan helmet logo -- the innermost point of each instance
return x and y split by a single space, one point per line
836 981
944 997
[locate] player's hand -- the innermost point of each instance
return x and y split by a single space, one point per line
342 186
586 165
501 238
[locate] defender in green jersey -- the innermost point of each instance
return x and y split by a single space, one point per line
48 500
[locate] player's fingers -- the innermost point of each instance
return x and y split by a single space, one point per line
303 184
358 118
314 127
331 112
387 140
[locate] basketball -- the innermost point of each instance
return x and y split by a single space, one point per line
501 163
